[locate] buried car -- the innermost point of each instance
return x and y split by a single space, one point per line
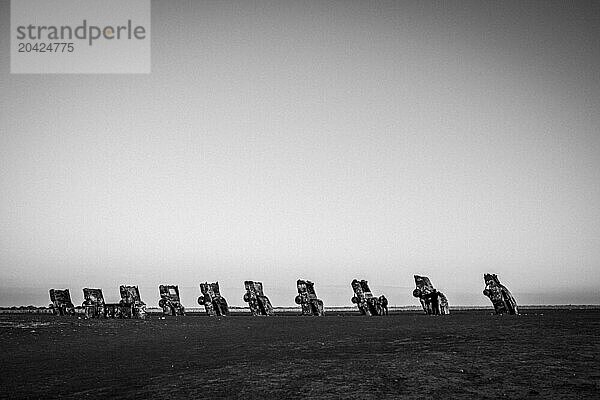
307 299
61 302
500 296
211 299
367 303
170 302
256 299
432 301
131 304
93 303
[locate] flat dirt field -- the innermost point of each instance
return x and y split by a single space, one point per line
469 354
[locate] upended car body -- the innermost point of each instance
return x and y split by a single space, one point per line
432 301
211 299
500 296
131 304
93 303
61 302
307 299
256 299
365 301
170 302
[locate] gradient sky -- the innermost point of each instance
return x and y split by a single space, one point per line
319 140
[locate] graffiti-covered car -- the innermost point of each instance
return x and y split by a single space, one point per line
307 298
256 299
366 302
170 302
499 295
61 302
211 299
432 301
131 303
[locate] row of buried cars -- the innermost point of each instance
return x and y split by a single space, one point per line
131 305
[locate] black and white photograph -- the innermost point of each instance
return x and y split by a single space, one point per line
299 199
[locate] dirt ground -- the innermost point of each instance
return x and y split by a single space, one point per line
469 354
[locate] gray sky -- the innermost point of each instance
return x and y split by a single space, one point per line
319 140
